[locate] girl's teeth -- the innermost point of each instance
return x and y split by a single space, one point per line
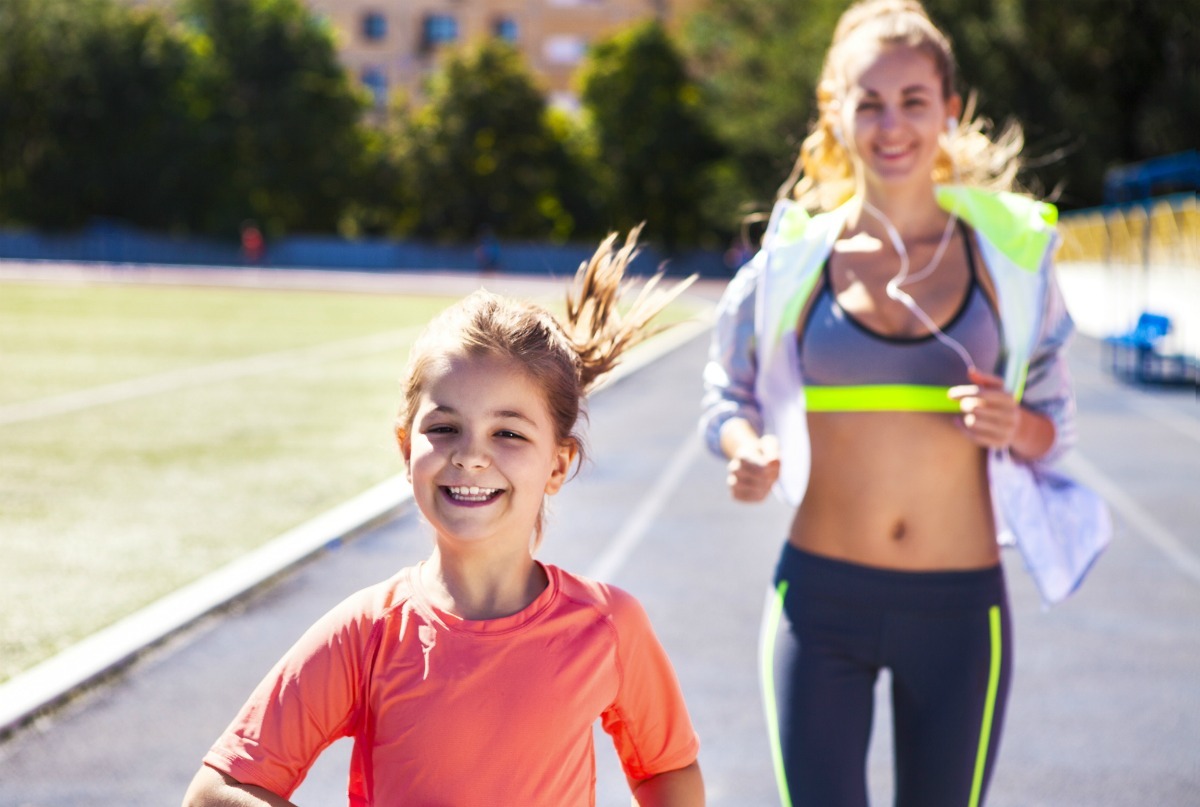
472 493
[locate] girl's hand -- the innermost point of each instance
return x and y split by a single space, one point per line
990 414
754 469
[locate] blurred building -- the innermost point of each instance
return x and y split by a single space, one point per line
391 45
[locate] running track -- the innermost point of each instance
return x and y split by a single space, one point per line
1106 699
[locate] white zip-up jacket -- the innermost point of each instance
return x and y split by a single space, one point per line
753 370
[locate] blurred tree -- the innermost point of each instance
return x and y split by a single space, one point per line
758 62
655 148
93 115
483 154
1095 83
278 116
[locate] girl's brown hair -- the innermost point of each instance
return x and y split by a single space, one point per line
823 176
565 358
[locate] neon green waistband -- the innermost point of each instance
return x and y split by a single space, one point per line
879 398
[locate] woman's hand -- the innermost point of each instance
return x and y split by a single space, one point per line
754 469
992 418
989 412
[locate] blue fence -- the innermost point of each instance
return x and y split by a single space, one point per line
106 243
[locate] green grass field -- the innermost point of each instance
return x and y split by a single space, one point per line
149 434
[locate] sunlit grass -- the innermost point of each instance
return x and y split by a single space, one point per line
104 509
108 507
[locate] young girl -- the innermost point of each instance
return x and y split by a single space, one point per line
475 677
894 366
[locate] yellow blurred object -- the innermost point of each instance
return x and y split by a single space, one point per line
1168 234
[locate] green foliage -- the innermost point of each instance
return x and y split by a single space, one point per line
279 120
482 153
93 120
654 145
1095 83
759 61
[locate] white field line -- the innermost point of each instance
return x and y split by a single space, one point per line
183 378
1140 520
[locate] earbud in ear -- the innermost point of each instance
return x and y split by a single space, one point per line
838 136
951 125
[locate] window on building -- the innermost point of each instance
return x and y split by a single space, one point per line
564 49
505 28
376 81
374 26
438 29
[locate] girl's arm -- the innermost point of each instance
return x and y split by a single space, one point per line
679 788
211 788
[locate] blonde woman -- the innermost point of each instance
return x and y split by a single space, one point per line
886 363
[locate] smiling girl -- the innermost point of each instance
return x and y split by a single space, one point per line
892 362
474 678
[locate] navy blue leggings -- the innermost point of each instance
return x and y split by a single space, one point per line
831 626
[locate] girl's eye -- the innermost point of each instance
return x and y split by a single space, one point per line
509 434
439 430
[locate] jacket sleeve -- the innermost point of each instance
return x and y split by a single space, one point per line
729 375
1049 390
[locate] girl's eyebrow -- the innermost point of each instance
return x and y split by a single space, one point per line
511 414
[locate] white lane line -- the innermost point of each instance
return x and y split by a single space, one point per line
1187 426
183 378
1137 517
636 526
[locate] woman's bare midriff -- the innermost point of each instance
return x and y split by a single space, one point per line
896 490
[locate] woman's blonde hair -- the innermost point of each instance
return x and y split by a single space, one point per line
565 358
823 176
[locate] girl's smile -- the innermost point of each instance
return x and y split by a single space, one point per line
483 452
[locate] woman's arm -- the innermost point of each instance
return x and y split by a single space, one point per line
211 788
753 460
992 418
679 788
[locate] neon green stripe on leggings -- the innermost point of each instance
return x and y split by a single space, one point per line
989 706
767 667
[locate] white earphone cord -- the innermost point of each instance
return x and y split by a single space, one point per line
904 298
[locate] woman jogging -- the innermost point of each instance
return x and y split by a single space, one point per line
893 365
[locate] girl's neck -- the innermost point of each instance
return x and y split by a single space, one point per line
480 585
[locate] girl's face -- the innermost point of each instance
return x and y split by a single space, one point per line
482 452
893 113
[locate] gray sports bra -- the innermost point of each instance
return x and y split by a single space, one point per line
846 366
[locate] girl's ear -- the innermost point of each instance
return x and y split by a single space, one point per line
405 444
564 458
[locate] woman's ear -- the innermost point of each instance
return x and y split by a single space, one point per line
954 110
564 458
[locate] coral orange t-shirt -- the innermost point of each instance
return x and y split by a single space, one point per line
447 711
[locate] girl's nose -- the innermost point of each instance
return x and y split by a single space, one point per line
471 453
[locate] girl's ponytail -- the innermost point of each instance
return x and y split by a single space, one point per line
598 329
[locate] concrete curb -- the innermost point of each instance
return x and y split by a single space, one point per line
54 681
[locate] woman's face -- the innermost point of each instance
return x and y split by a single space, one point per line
893 113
